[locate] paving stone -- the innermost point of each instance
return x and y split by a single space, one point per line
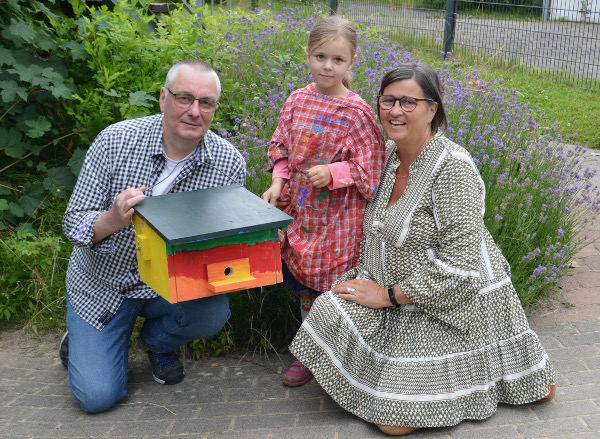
586 377
307 432
588 338
264 421
591 435
170 412
256 394
593 422
592 326
578 393
565 409
186 427
572 365
230 409
552 428
550 342
327 418
291 406
570 352
256 434
488 433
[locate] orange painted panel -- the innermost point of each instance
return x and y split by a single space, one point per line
195 274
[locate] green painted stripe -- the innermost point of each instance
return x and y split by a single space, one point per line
251 238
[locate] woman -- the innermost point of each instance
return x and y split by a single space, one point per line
427 330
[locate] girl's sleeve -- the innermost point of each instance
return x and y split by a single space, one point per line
447 283
281 169
365 144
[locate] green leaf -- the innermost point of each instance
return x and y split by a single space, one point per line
77 49
29 73
78 6
76 160
16 210
112 92
62 91
13 147
47 45
10 91
38 127
59 181
22 30
141 98
26 229
33 197
6 56
3 204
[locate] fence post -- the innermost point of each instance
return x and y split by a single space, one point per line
449 25
332 7
545 10
199 6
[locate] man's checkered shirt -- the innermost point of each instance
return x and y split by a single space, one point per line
128 154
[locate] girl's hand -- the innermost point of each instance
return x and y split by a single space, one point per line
274 192
367 293
319 175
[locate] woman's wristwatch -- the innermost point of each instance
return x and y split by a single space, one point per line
393 296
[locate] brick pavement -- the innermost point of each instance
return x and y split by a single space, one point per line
242 397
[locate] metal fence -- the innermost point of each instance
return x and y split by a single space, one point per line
559 37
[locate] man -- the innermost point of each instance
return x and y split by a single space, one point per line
170 152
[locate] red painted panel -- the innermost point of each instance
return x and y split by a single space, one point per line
188 275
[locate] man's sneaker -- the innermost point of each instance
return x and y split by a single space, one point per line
166 367
63 351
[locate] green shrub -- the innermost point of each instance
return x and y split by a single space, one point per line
113 66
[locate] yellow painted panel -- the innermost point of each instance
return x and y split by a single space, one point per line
152 258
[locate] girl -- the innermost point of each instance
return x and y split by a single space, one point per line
326 156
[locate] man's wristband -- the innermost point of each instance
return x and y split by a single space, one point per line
393 296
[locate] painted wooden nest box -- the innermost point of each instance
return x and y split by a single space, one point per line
206 242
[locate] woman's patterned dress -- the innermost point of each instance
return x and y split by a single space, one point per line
464 345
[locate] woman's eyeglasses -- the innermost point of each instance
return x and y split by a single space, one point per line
407 103
183 100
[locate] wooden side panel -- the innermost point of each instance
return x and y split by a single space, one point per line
152 258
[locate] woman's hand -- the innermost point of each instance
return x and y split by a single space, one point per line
368 293
364 292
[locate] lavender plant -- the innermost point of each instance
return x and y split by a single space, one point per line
538 194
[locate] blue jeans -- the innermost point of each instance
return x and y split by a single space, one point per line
98 365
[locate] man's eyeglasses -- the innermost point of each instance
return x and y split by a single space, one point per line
407 103
183 100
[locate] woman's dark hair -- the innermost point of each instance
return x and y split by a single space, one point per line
429 82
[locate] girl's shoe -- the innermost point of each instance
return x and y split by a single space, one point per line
297 375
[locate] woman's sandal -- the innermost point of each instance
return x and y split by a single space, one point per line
396 431
549 396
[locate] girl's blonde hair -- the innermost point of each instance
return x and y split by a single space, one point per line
330 28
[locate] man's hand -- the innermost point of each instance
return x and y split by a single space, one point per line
119 215
319 175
